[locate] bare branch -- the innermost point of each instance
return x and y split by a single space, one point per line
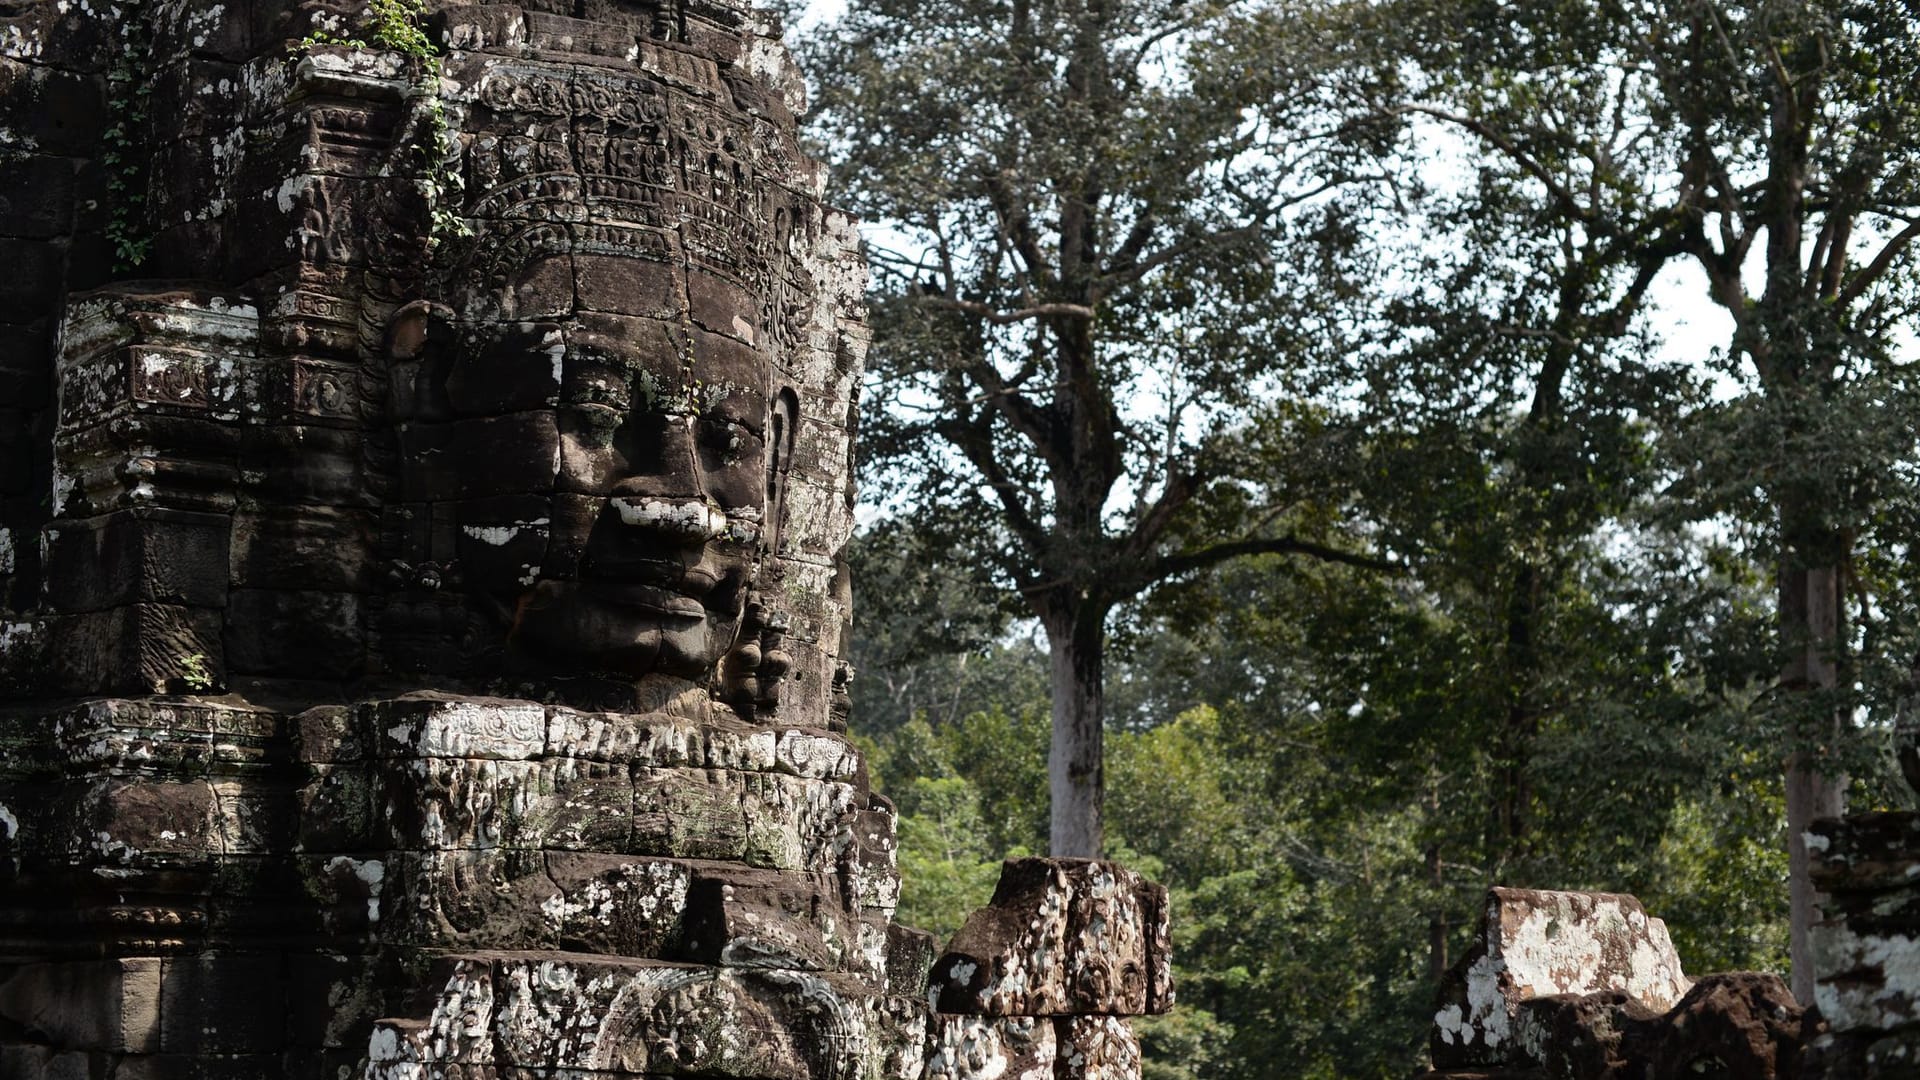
1186 562
999 317
1873 271
976 442
1180 490
1017 224
1141 268
1502 143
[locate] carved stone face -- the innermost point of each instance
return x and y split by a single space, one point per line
608 482
668 479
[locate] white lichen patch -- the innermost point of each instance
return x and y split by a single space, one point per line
19 42
767 59
502 535
1562 945
369 872
682 516
1865 981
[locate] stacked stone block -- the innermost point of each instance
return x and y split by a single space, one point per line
1039 984
1866 949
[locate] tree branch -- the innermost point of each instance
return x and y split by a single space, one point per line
1174 565
977 445
999 317
1180 490
1873 271
1506 146
1136 270
1017 225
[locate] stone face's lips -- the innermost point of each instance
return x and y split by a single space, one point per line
666 584
650 598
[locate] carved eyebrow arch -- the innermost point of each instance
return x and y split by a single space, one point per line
743 407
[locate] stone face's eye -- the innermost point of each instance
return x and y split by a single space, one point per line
724 437
608 389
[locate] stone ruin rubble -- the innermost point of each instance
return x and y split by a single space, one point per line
1866 952
1587 986
423 479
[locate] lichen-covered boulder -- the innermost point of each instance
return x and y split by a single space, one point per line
1742 1023
1535 944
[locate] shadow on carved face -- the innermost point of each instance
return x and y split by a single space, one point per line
602 487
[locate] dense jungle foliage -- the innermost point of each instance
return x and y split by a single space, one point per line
1307 769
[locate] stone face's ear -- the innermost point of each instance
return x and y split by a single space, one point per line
418 334
407 331
783 422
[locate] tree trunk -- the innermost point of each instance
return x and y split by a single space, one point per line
1437 877
1076 770
1436 919
1810 622
1513 807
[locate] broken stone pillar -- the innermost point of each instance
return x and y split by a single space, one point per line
1587 986
1038 985
424 467
1866 950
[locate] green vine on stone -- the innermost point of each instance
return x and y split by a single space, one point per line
129 85
391 24
395 26
441 183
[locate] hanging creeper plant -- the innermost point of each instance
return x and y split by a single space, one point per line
129 85
395 26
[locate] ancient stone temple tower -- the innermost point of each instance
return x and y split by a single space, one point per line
423 471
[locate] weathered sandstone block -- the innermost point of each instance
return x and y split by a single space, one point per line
1866 953
1060 937
991 1048
106 1005
1536 944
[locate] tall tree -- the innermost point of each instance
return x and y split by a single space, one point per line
1776 148
1505 416
1076 321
